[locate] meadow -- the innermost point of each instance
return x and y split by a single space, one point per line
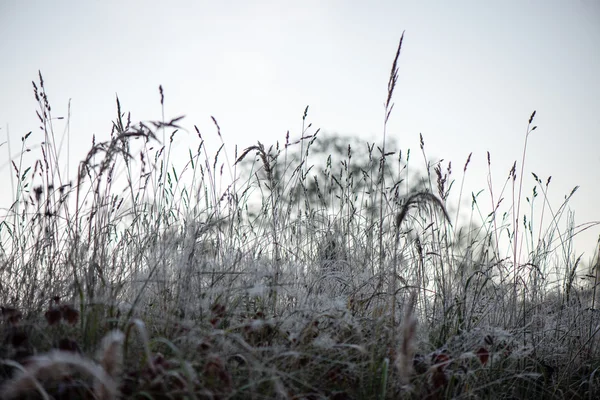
318 267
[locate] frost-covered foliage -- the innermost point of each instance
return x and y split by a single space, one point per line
305 275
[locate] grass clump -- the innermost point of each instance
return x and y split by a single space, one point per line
320 267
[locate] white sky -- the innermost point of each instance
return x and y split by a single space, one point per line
471 73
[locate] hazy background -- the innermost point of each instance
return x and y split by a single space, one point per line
471 73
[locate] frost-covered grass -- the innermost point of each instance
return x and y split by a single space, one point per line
313 268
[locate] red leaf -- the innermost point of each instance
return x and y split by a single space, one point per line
53 316
442 360
70 314
439 378
483 355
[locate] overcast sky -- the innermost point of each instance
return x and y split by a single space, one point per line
470 74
